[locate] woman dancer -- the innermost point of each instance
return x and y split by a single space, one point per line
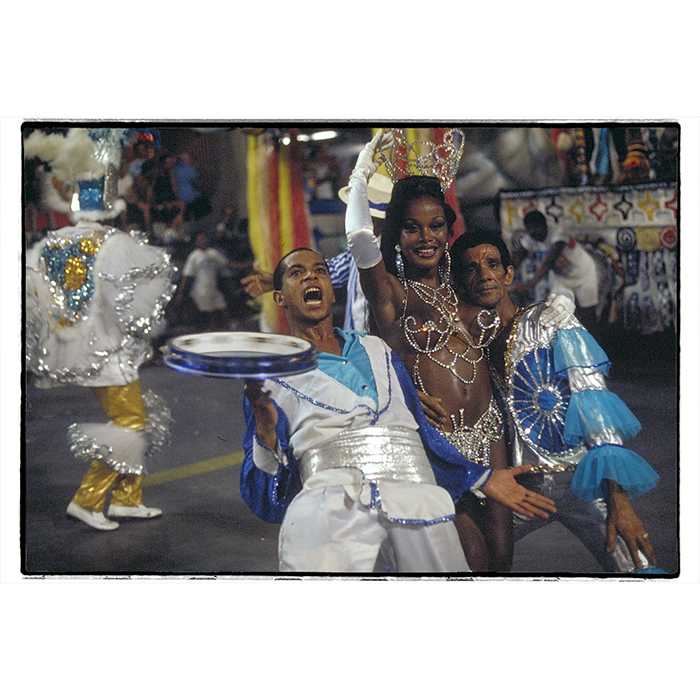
441 342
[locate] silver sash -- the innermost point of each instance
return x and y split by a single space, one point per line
395 454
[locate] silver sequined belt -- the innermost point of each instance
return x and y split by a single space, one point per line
396 454
474 441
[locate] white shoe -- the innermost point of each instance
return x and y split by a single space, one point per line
140 511
92 518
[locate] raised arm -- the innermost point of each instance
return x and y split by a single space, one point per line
382 290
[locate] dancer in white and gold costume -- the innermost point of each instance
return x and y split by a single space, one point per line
95 296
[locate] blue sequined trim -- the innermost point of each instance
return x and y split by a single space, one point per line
334 409
76 292
375 503
418 521
276 499
539 400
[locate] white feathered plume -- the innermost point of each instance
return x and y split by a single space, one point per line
72 157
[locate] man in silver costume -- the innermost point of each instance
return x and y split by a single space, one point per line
562 417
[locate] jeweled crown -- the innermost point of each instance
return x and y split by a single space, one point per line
433 158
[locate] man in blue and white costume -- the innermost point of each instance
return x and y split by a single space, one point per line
337 454
563 418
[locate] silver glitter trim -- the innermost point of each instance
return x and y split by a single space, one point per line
380 453
418 521
557 468
140 326
372 413
158 422
531 335
132 350
586 378
84 448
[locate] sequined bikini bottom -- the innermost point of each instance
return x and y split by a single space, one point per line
474 441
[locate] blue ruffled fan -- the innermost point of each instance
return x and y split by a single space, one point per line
540 400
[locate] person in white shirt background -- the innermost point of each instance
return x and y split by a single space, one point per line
200 277
566 262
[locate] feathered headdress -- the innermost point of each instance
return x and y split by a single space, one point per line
84 170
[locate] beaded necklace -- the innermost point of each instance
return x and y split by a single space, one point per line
444 300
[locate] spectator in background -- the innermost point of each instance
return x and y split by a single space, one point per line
667 155
228 225
568 264
323 172
167 207
141 196
231 238
143 151
188 188
200 277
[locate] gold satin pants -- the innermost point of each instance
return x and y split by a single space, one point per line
124 406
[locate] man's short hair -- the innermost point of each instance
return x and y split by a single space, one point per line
278 274
535 218
473 239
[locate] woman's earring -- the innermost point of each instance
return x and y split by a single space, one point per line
399 263
448 263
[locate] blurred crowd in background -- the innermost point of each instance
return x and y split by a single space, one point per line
606 194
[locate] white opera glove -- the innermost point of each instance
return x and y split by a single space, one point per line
558 308
365 166
359 230
364 247
357 215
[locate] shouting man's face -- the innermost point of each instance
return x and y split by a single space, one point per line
306 293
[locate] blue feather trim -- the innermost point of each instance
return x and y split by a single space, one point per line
593 411
616 463
576 347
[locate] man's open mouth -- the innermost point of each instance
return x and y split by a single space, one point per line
313 295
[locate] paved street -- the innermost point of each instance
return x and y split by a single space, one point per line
207 529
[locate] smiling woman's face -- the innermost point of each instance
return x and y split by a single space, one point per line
424 233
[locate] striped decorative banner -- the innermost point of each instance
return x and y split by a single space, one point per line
278 217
